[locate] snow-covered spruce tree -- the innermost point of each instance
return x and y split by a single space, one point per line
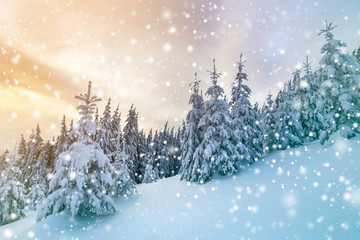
72 133
149 175
123 183
130 140
44 167
22 146
157 154
306 99
165 164
340 77
287 128
141 156
104 133
21 151
82 174
4 160
37 194
268 120
48 155
11 194
218 151
244 117
356 54
116 126
151 154
62 143
34 148
172 151
97 117
192 136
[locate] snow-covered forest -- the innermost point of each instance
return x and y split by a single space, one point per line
96 160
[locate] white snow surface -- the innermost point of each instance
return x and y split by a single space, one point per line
299 193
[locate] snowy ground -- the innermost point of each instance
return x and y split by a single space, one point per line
301 193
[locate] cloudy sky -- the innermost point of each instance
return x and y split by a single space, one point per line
146 53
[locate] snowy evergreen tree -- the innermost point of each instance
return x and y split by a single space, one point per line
21 151
306 99
340 78
5 160
268 120
46 163
34 148
150 156
192 136
72 133
97 118
11 194
356 54
244 117
37 194
287 128
149 175
104 133
174 152
116 126
156 153
130 140
141 156
165 165
124 184
82 174
62 143
218 151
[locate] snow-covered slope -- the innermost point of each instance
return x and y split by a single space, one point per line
301 193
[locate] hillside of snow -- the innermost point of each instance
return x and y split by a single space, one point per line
300 193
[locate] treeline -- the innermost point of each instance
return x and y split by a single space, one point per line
96 159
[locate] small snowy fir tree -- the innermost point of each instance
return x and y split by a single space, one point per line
37 194
21 151
141 155
104 133
151 153
306 99
165 165
340 77
116 126
82 174
149 175
97 118
48 156
356 54
72 133
268 120
11 194
123 183
245 118
130 140
40 168
192 136
4 160
218 151
287 128
34 148
62 143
